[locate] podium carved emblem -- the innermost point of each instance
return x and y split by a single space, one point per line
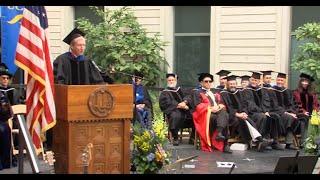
101 102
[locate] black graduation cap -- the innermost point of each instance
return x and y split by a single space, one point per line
75 33
282 75
306 76
256 75
172 74
265 73
223 73
204 75
231 77
245 78
138 74
4 70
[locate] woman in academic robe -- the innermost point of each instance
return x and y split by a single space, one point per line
305 98
143 111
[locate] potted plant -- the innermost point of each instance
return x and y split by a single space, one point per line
149 153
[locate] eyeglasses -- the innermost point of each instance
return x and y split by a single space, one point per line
5 77
208 81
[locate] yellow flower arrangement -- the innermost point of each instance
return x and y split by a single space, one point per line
149 154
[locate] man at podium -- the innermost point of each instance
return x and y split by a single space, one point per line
73 67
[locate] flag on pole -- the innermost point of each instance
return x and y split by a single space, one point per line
10 26
33 56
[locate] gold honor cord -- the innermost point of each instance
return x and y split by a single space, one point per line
207 125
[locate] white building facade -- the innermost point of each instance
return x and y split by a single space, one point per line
209 38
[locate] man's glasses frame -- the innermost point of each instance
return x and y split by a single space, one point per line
5 78
208 81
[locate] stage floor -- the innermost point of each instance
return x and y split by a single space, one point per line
247 162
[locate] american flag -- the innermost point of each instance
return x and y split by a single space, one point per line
33 57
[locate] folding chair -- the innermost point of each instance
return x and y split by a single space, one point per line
16 109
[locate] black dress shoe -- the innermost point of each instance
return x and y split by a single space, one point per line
191 141
262 146
277 146
291 146
220 137
227 149
133 167
268 148
175 142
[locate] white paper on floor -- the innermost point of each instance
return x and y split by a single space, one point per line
225 164
189 166
248 159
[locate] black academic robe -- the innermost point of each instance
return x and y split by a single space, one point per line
68 70
168 100
11 94
273 106
305 102
286 122
218 89
285 100
5 133
234 102
257 101
13 97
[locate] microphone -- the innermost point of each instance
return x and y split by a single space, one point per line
127 74
113 71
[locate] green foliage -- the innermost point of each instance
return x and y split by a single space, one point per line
307 59
120 43
311 145
154 95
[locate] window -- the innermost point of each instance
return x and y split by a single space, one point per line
192 43
85 11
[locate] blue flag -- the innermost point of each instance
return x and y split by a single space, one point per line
10 27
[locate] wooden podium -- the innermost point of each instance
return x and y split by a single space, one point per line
97 114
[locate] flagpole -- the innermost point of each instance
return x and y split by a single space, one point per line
42 150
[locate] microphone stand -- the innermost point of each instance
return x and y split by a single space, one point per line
233 166
127 74
294 169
